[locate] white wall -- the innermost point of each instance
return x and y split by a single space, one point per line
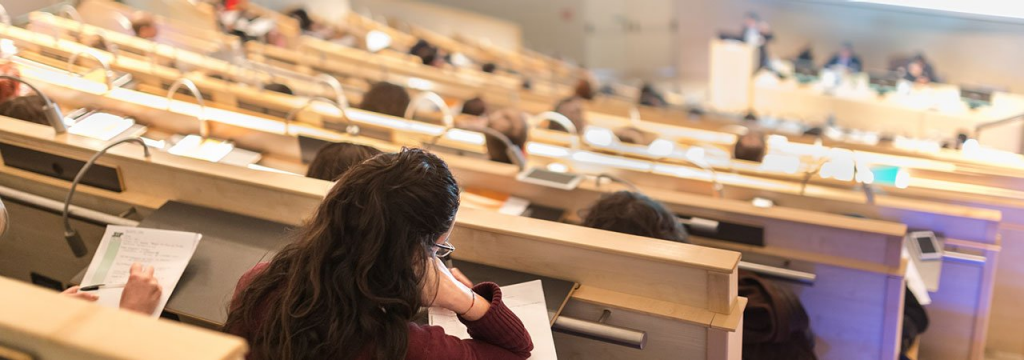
449 21
553 27
16 8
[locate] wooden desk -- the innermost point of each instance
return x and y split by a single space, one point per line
50 326
680 276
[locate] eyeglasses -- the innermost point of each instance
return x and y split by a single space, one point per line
444 249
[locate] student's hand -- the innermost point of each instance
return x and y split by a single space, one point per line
142 292
73 292
442 289
461 277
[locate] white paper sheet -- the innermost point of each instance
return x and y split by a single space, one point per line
167 251
526 300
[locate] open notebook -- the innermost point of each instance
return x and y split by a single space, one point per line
526 300
167 251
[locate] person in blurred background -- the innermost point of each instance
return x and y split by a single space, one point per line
9 88
386 98
425 51
474 107
757 33
634 213
651 97
750 147
919 71
512 124
28 108
334 160
846 59
144 26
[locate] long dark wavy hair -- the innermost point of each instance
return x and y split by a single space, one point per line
350 283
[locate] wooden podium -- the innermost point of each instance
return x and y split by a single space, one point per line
732 66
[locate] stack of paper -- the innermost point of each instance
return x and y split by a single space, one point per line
526 300
168 252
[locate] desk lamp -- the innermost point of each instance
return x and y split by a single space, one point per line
204 128
350 128
433 98
52 111
339 92
108 74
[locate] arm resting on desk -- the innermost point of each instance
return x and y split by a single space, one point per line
499 334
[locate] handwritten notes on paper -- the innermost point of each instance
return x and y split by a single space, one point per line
168 252
526 300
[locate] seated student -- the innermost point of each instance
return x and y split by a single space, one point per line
846 59
28 108
386 98
475 107
425 51
572 107
9 88
919 71
634 213
512 124
334 160
350 284
144 26
141 293
651 97
279 88
750 147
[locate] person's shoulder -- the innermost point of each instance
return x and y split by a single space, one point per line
252 273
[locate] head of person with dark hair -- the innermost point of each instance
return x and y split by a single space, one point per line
425 51
358 271
386 98
144 26
584 89
475 106
571 108
750 147
279 88
512 124
9 88
634 213
305 22
489 68
650 97
28 108
334 160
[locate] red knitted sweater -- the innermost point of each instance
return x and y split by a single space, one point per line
498 335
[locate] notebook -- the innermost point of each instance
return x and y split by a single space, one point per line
167 251
526 300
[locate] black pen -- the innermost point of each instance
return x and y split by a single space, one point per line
100 286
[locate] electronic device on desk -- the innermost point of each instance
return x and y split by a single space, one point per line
558 180
883 83
926 244
101 125
976 97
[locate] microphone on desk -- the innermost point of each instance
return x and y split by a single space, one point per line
513 151
52 111
71 235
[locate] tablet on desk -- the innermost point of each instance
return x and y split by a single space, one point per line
926 244
564 181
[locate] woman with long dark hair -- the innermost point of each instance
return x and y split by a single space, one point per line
349 286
